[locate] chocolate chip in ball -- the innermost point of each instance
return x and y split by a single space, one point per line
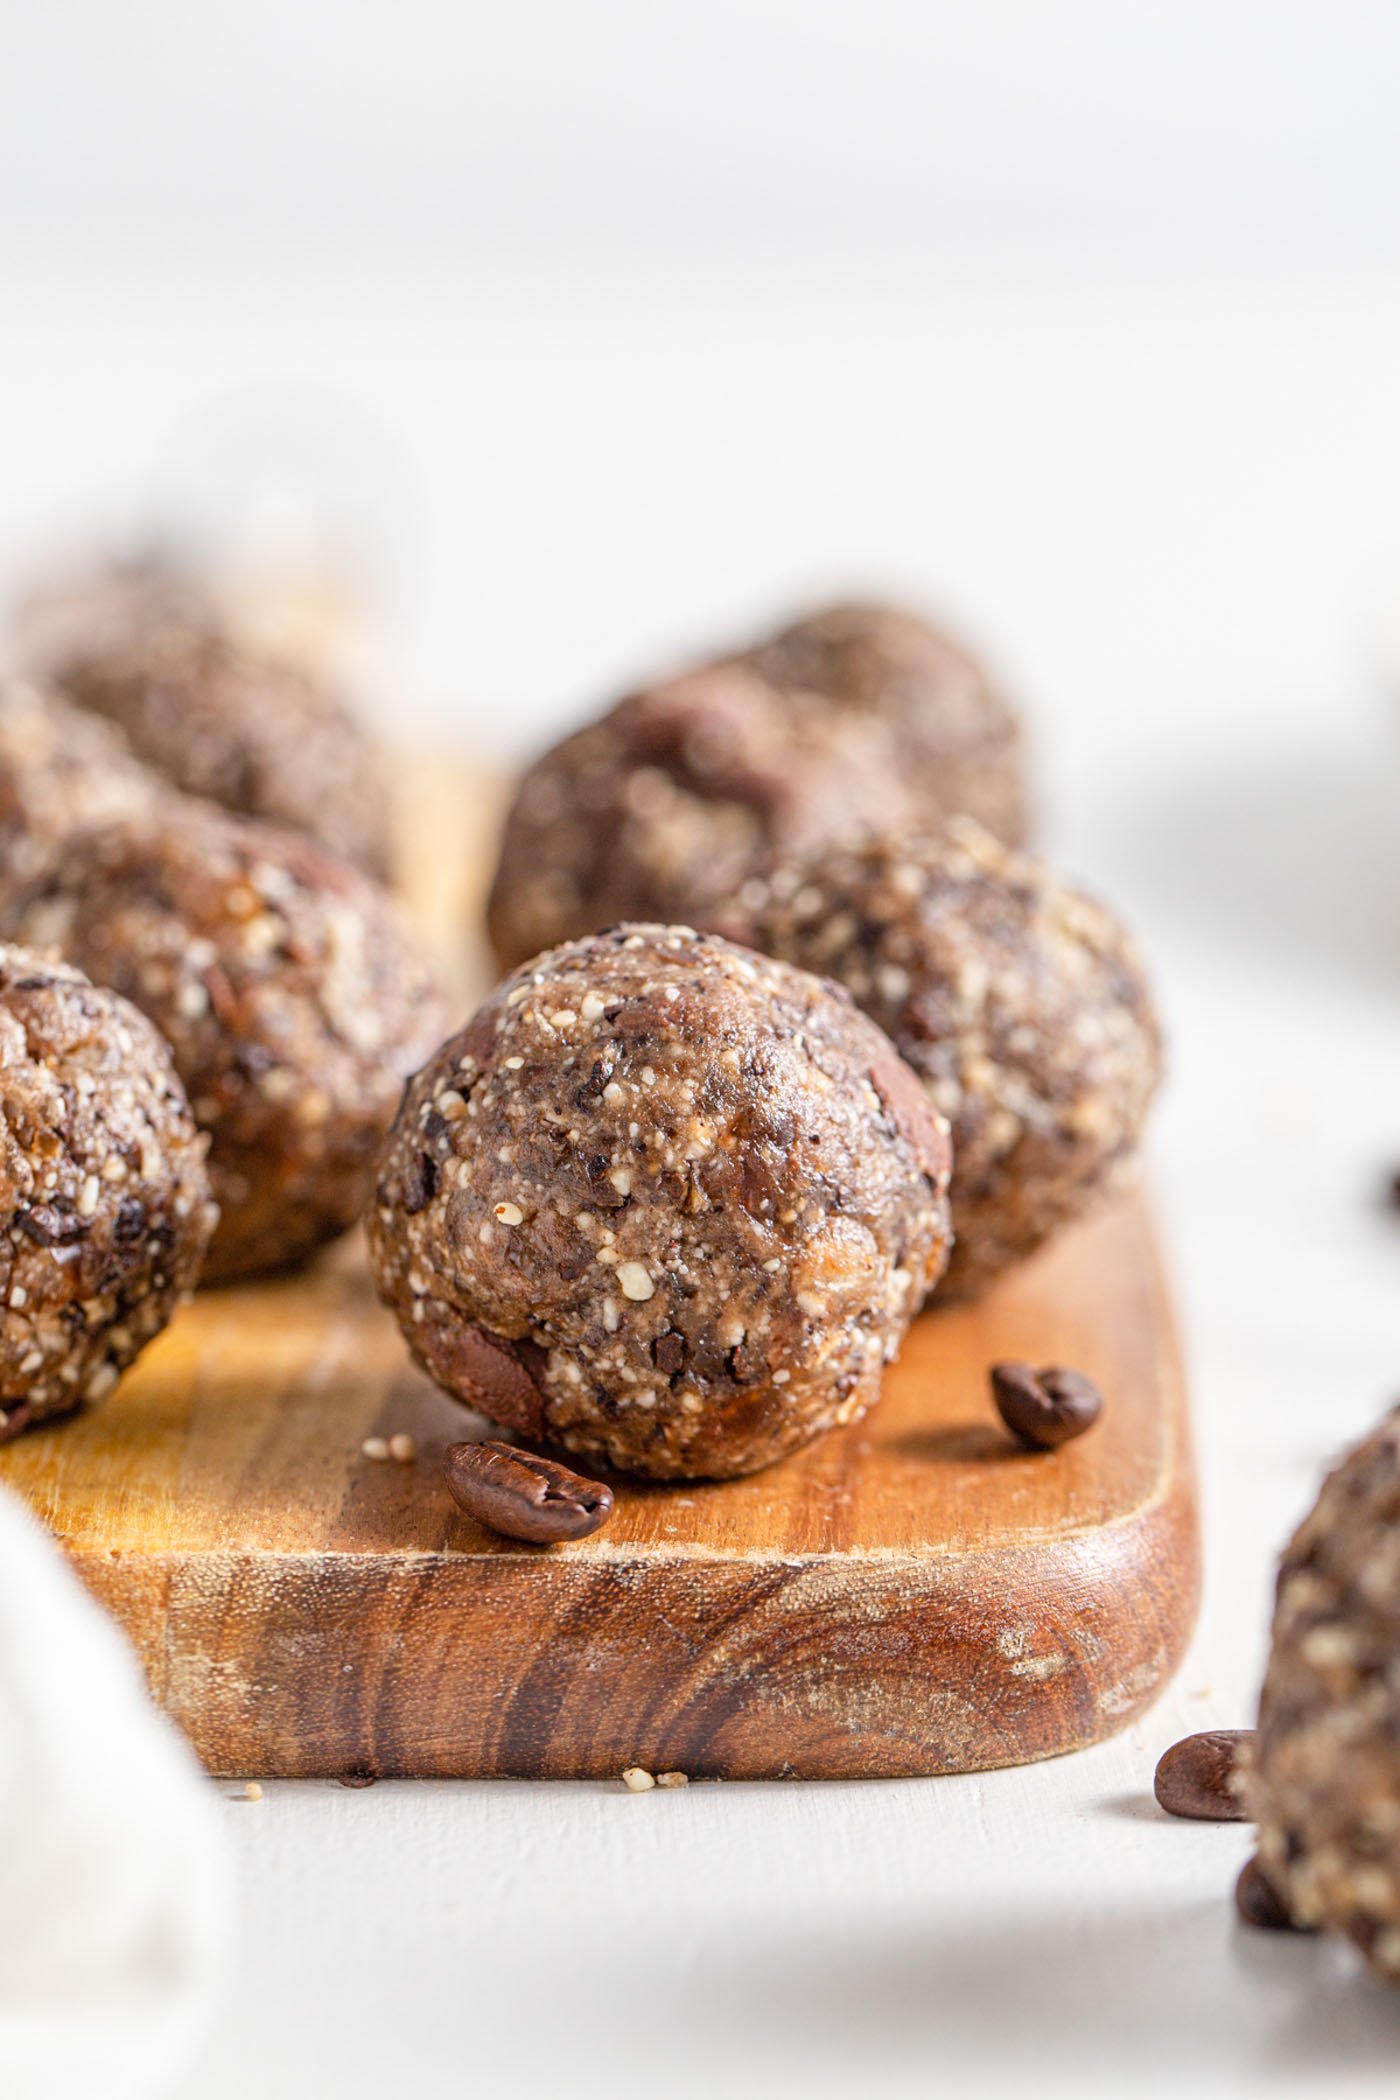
1045 1408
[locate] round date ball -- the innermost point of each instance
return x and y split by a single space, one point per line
1019 1002
663 1202
260 736
1323 1782
660 808
61 771
295 1003
104 1201
958 740
78 613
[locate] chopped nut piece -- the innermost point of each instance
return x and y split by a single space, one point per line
637 1780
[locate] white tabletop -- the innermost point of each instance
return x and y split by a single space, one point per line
1172 506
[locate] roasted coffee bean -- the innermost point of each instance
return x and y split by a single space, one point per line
1045 1408
1197 1776
523 1496
1259 1902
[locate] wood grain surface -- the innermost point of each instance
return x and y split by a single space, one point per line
913 1594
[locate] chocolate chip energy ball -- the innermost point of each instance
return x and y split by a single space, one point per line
663 1202
857 718
657 810
1019 1002
258 735
60 771
81 613
104 1201
294 1001
959 743
1324 1781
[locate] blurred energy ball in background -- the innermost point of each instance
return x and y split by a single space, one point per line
575 338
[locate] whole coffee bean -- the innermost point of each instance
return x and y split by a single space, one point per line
1197 1776
1259 1902
1045 1408
525 1497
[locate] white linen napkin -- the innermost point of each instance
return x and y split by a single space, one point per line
115 1886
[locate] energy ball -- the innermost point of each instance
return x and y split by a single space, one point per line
959 742
1324 1780
85 612
294 1001
60 772
104 1201
1019 1002
660 808
259 735
668 1204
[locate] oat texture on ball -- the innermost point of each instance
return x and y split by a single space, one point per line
295 1002
958 742
243 728
104 1200
664 1202
60 772
1323 1782
1019 1002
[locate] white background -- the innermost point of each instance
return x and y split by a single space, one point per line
588 334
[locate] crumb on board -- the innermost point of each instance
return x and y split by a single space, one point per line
638 1780
400 1446
252 1791
672 1779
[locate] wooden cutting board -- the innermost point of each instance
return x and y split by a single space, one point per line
910 1595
